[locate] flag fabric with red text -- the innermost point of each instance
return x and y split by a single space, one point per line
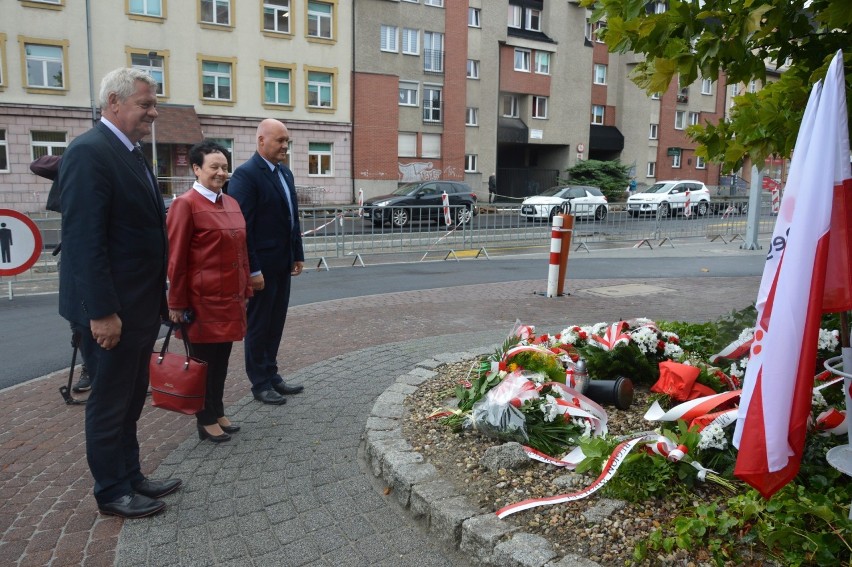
798 280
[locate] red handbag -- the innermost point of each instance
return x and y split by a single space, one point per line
178 381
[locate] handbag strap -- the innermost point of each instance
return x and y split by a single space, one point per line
165 347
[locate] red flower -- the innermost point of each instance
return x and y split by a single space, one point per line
557 336
466 384
575 328
503 365
556 350
574 357
582 335
661 345
674 339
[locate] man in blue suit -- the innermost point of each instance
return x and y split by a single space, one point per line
266 192
112 284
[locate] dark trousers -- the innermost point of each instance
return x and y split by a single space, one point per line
119 385
216 356
267 312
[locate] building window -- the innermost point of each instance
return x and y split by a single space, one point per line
516 16
474 19
680 120
470 163
676 161
539 107
2 61
706 86
471 117
277 86
600 74
752 86
431 104
589 30
533 19
216 80
48 143
154 65
511 106
228 144
472 69
522 60
433 52
659 7
320 90
408 93
652 169
276 16
597 114
150 8
389 40
217 12
407 144
320 20
700 163
4 152
654 132
52 4
599 27
436 3
319 159
431 146
693 118
655 96
410 41
45 66
542 62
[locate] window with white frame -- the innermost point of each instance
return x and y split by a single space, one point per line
151 8
320 19
436 3
680 119
472 69
45 66
48 143
406 144
4 152
522 60
389 39
410 41
693 118
320 90
654 131
652 169
153 65
655 96
539 107
597 114
589 31
215 80
676 161
276 16
533 19
432 103
474 17
431 146
516 17
600 74
433 52
471 117
659 7
599 26
277 86
752 86
542 62
319 159
470 163
408 93
216 12
700 163
511 106
706 86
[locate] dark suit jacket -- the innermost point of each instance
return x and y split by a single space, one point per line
114 243
272 245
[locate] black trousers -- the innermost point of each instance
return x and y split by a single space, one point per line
216 355
119 385
267 312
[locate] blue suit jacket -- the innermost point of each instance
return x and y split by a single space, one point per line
272 245
114 243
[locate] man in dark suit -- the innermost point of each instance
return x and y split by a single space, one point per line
266 192
112 284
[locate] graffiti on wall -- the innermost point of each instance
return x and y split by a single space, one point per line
424 171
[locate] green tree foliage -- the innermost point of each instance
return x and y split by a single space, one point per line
706 39
610 176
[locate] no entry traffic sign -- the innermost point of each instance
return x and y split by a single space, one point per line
20 242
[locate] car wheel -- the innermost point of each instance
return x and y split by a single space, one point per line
399 217
703 207
664 210
744 209
600 213
463 215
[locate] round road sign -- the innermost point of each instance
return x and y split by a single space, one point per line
20 242
581 148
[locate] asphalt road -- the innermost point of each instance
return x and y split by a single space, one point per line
35 340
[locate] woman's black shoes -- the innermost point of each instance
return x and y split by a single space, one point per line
230 428
204 434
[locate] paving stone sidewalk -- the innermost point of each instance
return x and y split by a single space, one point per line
292 487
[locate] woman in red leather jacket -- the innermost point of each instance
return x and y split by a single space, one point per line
209 277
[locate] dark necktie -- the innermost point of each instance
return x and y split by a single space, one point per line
143 165
280 174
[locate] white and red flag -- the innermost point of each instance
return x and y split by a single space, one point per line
799 283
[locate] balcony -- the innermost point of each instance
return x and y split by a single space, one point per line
433 61
683 96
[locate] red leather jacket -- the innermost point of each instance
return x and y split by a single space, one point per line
208 266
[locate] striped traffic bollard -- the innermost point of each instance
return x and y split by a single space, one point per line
445 200
360 202
687 207
776 199
555 253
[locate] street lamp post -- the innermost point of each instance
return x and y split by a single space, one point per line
151 56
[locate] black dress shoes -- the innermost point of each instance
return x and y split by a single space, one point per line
286 390
132 506
204 434
270 397
230 428
157 488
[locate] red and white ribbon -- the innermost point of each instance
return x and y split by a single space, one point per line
613 337
691 409
445 200
360 202
734 351
832 421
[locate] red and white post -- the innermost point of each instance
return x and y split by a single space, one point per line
445 200
555 256
360 202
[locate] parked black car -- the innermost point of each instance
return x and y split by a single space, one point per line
415 202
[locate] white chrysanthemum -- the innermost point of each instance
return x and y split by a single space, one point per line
746 334
537 377
646 339
738 368
549 408
828 340
584 423
597 329
713 437
817 401
673 351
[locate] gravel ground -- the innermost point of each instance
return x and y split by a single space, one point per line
607 538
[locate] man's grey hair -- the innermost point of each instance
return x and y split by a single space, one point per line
122 82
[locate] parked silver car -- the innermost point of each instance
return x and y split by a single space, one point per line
670 197
578 200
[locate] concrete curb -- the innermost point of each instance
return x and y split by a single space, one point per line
431 500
